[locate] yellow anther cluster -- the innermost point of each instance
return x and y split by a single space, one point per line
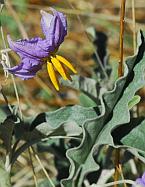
57 63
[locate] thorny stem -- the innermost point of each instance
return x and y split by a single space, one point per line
120 74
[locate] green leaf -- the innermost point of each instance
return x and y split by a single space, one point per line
86 101
66 121
136 137
4 113
6 131
6 126
70 114
134 101
115 112
84 84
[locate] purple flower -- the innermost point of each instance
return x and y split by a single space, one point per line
37 51
141 181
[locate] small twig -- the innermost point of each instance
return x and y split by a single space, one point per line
12 77
134 25
122 15
31 161
121 173
134 39
120 74
26 145
117 163
8 155
21 149
44 170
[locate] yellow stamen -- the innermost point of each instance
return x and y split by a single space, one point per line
52 75
68 64
59 67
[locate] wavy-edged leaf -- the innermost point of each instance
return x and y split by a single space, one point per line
114 113
62 122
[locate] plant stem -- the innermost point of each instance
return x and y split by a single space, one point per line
122 15
33 169
120 74
44 170
134 25
12 77
117 162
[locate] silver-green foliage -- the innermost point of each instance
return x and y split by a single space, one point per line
115 112
90 127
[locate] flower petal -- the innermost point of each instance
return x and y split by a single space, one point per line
47 20
140 182
33 48
62 24
26 69
143 177
54 26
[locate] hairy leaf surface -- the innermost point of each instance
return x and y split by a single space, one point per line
115 112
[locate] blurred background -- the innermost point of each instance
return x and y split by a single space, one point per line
93 25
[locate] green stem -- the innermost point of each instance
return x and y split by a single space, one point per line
20 150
